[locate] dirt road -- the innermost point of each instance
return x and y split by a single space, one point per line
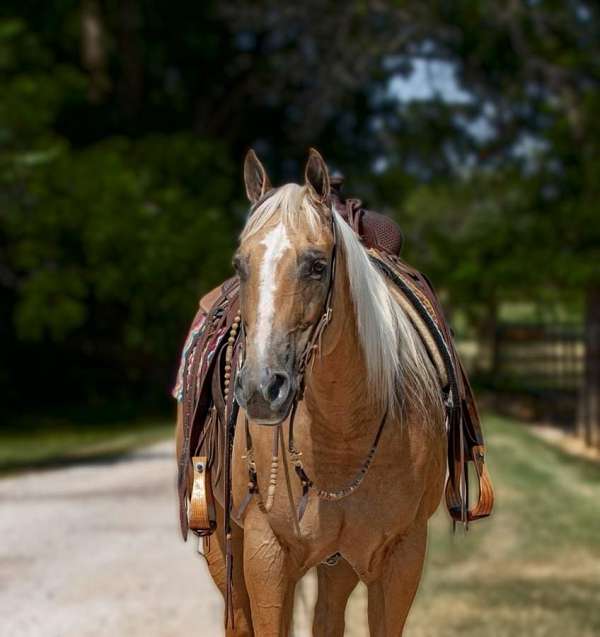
94 550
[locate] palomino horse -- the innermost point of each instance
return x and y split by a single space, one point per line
368 421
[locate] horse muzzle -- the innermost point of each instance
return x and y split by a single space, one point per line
265 394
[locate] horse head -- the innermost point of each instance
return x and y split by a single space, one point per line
285 264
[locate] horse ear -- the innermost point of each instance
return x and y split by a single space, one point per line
316 175
255 177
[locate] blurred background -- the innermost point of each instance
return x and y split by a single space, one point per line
123 126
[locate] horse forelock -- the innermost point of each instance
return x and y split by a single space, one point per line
290 205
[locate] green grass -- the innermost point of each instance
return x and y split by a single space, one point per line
534 567
51 443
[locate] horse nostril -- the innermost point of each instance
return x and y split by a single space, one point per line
277 382
275 391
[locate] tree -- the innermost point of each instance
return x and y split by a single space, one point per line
544 90
504 195
122 124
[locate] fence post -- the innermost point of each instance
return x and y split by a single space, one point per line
588 422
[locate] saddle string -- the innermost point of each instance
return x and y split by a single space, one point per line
253 489
288 483
231 414
229 613
190 390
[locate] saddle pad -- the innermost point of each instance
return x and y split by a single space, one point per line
194 332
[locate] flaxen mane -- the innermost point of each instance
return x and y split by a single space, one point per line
398 367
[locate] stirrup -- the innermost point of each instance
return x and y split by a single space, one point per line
202 519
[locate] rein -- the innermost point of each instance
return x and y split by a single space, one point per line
338 494
313 345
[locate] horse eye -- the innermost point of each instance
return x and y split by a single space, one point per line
317 268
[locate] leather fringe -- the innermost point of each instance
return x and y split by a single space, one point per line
229 615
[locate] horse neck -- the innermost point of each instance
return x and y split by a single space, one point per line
336 394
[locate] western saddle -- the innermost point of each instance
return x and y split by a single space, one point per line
209 360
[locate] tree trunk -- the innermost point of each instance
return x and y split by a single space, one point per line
93 49
588 421
131 58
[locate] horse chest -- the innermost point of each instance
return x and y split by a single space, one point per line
362 525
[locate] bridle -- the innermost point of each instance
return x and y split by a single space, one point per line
312 346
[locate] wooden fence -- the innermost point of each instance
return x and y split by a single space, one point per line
543 362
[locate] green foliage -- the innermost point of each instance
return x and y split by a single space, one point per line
122 127
485 237
52 443
116 229
31 94
106 248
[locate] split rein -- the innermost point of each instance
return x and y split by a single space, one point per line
307 484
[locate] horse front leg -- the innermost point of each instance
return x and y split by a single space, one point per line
266 571
392 595
335 585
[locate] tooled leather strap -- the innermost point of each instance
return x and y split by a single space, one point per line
460 450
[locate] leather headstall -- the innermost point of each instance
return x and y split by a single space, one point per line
312 346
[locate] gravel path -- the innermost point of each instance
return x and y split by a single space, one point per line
94 550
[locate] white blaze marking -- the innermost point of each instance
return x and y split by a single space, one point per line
276 243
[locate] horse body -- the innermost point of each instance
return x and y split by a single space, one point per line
334 428
369 368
